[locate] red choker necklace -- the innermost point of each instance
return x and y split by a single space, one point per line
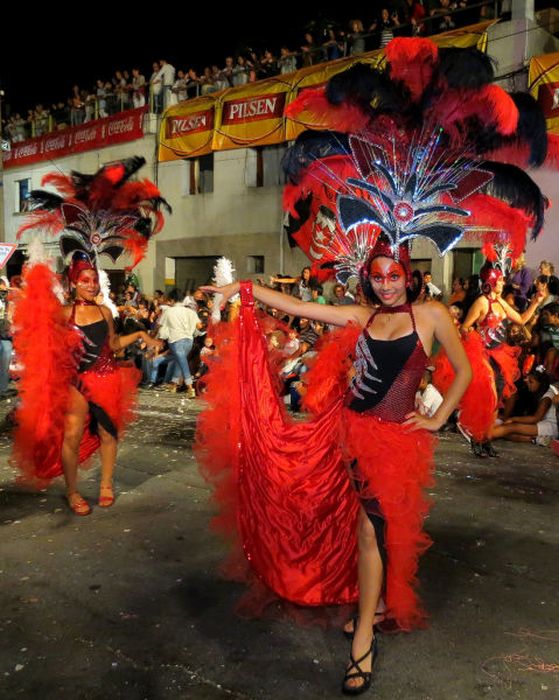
401 308
84 302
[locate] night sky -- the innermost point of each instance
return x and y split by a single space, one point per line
40 58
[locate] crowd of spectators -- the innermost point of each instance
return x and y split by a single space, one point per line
182 321
167 85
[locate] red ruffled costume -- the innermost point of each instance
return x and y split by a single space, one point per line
283 487
480 401
49 348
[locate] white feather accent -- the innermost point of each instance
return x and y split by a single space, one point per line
37 254
224 273
105 289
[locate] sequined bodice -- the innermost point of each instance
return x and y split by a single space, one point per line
493 328
387 374
97 355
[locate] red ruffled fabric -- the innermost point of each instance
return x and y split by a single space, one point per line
478 405
394 466
285 487
116 393
506 358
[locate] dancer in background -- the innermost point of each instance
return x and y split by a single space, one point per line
75 397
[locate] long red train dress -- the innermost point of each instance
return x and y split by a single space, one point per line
289 492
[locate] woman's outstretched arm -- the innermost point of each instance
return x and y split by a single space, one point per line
334 315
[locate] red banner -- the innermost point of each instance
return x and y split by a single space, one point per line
121 127
179 126
250 109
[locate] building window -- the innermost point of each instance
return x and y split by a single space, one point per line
263 166
23 188
255 264
201 178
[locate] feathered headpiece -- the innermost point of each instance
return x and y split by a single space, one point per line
403 157
100 214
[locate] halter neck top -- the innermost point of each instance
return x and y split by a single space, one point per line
95 341
493 328
387 372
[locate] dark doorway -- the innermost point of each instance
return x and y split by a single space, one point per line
192 272
466 261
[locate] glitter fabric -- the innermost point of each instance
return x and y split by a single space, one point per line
387 373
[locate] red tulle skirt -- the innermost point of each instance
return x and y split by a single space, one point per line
476 411
282 487
113 391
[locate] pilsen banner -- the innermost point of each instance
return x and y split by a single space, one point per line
252 115
313 77
188 128
543 80
121 127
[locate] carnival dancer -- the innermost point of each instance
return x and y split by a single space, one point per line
398 159
75 396
490 315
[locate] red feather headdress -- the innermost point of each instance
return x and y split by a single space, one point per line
405 154
100 214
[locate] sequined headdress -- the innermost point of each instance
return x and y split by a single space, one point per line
100 214
405 154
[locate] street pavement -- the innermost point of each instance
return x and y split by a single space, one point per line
128 602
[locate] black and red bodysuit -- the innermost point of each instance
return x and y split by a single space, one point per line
390 465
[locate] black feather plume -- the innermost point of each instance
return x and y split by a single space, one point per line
41 199
516 188
531 126
371 89
311 146
465 68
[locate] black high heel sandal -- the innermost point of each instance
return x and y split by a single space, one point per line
367 676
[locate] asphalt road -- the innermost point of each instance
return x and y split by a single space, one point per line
128 602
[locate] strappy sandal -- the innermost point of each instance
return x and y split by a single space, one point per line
106 496
348 634
78 505
367 676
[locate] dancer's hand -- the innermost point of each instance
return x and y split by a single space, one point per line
415 421
154 343
227 291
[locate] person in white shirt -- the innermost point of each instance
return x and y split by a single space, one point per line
178 327
427 399
541 427
432 289
167 76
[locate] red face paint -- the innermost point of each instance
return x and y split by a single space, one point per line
87 284
388 280
386 274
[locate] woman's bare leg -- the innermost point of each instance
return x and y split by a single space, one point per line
74 425
370 571
107 452
516 432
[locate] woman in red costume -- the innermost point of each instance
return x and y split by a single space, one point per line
75 397
386 443
497 361
397 159
101 397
